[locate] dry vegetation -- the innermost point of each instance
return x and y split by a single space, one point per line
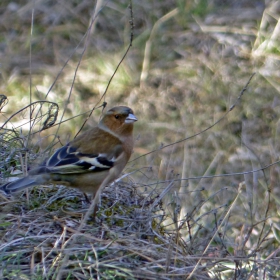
200 196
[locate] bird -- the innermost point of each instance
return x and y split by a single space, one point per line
94 158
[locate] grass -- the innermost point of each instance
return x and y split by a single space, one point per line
190 206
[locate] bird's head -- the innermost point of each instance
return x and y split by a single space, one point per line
119 120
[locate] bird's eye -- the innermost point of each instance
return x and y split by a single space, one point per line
117 117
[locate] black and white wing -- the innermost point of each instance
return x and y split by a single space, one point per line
68 160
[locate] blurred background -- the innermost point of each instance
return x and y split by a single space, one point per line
188 63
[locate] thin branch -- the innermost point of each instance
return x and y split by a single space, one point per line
119 64
206 129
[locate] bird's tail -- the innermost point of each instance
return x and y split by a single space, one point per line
18 185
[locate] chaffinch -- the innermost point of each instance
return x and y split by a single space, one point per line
94 157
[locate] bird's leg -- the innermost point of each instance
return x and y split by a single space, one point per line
95 205
86 198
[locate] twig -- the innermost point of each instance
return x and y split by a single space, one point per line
209 127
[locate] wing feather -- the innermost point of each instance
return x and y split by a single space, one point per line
68 160
76 157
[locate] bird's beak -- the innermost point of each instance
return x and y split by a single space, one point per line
130 119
